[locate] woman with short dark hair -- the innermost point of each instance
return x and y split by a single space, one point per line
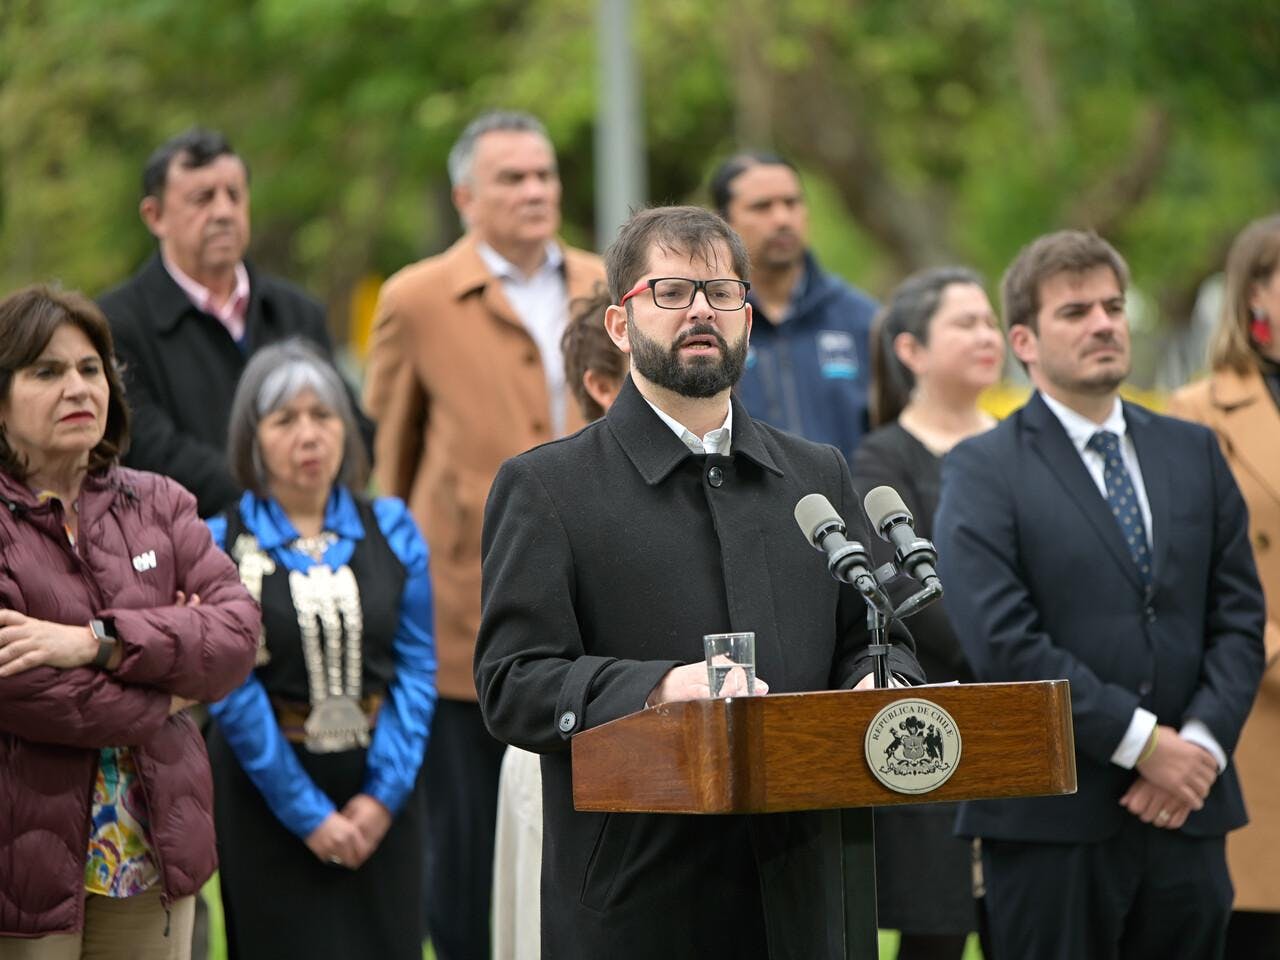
116 612
316 757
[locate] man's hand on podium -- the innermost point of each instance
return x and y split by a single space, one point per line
690 682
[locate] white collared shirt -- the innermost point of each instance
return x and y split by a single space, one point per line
1079 429
715 441
541 302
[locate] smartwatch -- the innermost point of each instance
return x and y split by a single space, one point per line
107 641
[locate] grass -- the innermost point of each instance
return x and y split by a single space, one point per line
218 940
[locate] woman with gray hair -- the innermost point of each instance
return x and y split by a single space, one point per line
316 757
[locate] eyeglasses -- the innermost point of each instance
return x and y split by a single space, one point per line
677 293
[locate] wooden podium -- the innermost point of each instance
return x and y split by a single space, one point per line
797 752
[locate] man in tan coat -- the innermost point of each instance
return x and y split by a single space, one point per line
466 371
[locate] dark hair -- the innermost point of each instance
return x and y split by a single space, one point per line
28 320
1254 257
685 230
274 376
1066 251
586 346
193 148
910 309
722 178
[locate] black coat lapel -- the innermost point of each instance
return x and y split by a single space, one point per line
1050 442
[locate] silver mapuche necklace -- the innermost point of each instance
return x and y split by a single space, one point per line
328 605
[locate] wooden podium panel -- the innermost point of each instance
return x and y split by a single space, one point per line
805 751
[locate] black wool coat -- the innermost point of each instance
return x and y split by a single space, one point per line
182 367
607 556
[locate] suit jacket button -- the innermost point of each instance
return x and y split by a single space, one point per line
1151 614
1262 540
568 720
715 476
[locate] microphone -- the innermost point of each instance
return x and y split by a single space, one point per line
847 560
914 555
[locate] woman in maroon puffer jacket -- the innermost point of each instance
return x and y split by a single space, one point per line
116 611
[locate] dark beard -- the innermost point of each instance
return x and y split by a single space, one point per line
699 377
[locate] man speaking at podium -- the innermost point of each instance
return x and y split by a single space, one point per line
609 554
1088 538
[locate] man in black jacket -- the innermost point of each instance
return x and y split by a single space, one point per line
610 553
187 322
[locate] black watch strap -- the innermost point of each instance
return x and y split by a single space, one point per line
107 642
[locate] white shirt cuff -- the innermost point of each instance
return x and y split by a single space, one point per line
1135 738
1196 732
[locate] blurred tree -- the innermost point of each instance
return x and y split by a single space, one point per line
928 132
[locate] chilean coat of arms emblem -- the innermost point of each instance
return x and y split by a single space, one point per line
912 746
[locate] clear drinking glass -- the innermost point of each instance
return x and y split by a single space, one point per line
731 663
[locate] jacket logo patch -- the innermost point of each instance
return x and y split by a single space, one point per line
145 561
837 355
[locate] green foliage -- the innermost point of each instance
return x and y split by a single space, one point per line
927 131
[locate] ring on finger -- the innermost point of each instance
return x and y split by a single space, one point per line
336 861
1162 816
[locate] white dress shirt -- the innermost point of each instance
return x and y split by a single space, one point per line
715 441
541 302
1079 429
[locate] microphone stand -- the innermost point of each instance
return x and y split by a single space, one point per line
878 622
877 627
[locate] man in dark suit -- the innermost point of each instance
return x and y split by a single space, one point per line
186 323
1089 538
610 553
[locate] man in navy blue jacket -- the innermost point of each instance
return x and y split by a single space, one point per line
808 368
1089 538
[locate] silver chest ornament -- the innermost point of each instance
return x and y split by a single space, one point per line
331 623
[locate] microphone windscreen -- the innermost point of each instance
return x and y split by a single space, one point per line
882 503
813 512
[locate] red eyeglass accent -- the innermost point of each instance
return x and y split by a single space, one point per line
640 287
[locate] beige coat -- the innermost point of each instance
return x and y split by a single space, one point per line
456 385
1243 415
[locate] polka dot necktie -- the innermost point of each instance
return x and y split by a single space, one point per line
1123 501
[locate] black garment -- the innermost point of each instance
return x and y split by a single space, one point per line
607 556
908 836
1253 935
280 900
461 800
1142 894
182 367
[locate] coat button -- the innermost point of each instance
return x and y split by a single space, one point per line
568 720
531 357
715 476
1262 540
538 426
1144 688
1151 614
